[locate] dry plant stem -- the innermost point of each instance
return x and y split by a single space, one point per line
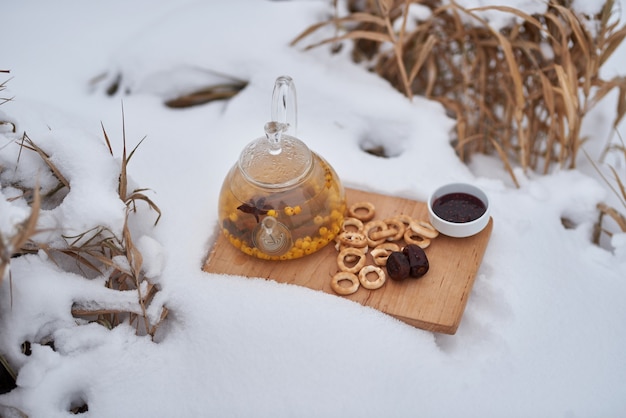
397 42
614 214
619 189
3 100
25 230
206 95
135 261
30 145
110 247
4 363
137 194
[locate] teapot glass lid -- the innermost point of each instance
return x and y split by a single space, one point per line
278 160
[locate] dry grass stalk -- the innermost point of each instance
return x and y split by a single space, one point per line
206 95
98 250
101 250
27 143
618 187
24 231
12 245
137 194
521 91
3 100
224 89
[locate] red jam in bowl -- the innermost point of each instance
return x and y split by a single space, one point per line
459 207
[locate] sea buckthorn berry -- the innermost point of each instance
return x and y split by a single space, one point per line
272 212
289 211
235 241
297 210
318 220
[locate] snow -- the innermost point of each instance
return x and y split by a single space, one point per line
543 332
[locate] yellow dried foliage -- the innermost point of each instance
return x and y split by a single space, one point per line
521 91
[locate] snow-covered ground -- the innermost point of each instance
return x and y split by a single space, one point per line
543 333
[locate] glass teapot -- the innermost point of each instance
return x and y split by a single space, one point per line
281 200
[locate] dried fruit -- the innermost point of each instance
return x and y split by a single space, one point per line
418 262
398 267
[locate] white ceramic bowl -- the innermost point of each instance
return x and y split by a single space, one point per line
459 229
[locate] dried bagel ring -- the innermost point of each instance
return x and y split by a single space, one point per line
396 225
356 211
350 258
341 246
371 227
341 260
424 229
385 234
342 276
352 222
372 284
381 253
414 238
352 239
405 219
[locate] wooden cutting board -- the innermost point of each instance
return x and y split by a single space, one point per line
435 302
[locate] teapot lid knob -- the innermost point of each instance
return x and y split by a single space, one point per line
274 132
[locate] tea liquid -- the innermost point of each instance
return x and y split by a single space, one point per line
312 212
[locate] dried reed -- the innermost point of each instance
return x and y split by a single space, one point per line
3 100
98 250
224 89
9 247
24 231
521 92
618 187
206 95
12 245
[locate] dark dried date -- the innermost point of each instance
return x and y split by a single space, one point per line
418 262
398 267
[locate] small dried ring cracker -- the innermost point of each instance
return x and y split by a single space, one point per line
341 276
424 229
352 222
396 225
372 284
356 211
405 219
382 252
352 239
414 238
341 260
373 227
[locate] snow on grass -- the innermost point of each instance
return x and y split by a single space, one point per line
543 331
